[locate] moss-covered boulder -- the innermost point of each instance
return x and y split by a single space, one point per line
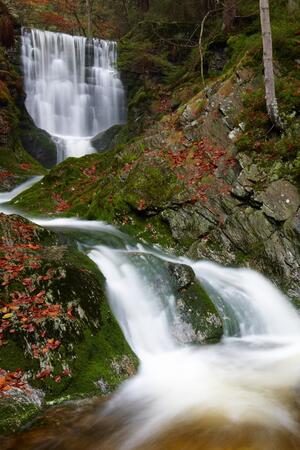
197 320
37 143
55 324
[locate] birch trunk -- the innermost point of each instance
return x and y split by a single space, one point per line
271 101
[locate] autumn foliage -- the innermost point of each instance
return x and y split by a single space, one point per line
25 306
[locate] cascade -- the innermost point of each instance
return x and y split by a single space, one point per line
73 89
249 379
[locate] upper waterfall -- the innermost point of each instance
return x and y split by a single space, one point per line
73 89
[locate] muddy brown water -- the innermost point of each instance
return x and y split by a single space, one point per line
83 426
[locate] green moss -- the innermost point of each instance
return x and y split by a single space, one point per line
12 357
13 160
154 184
12 154
91 343
13 415
199 311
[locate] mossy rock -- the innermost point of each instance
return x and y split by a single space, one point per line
15 414
16 165
56 325
37 142
199 320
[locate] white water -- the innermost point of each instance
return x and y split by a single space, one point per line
247 379
8 196
73 89
240 379
250 378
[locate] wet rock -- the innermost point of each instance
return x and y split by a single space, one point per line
280 200
215 247
38 143
182 274
197 320
106 140
16 165
15 414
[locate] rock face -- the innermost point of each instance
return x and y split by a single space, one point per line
55 324
184 185
37 142
106 140
280 200
15 164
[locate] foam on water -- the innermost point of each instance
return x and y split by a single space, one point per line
251 377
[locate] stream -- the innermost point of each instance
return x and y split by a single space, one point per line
239 394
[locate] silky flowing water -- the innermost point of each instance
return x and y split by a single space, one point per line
239 394
73 89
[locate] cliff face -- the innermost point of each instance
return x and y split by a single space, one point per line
16 165
24 149
185 184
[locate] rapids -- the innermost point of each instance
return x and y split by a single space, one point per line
242 393
73 89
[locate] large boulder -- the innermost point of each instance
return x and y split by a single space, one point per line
197 319
56 327
38 143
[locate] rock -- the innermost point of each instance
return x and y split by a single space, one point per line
187 116
56 325
16 165
217 60
243 188
186 222
38 143
248 229
280 200
197 320
291 228
106 139
182 274
15 414
215 247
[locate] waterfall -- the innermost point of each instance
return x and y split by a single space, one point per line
250 378
73 89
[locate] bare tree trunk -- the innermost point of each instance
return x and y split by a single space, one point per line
89 17
271 101
229 14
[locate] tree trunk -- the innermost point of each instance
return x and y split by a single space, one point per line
271 101
89 17
229 14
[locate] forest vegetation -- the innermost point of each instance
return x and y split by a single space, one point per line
206 166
